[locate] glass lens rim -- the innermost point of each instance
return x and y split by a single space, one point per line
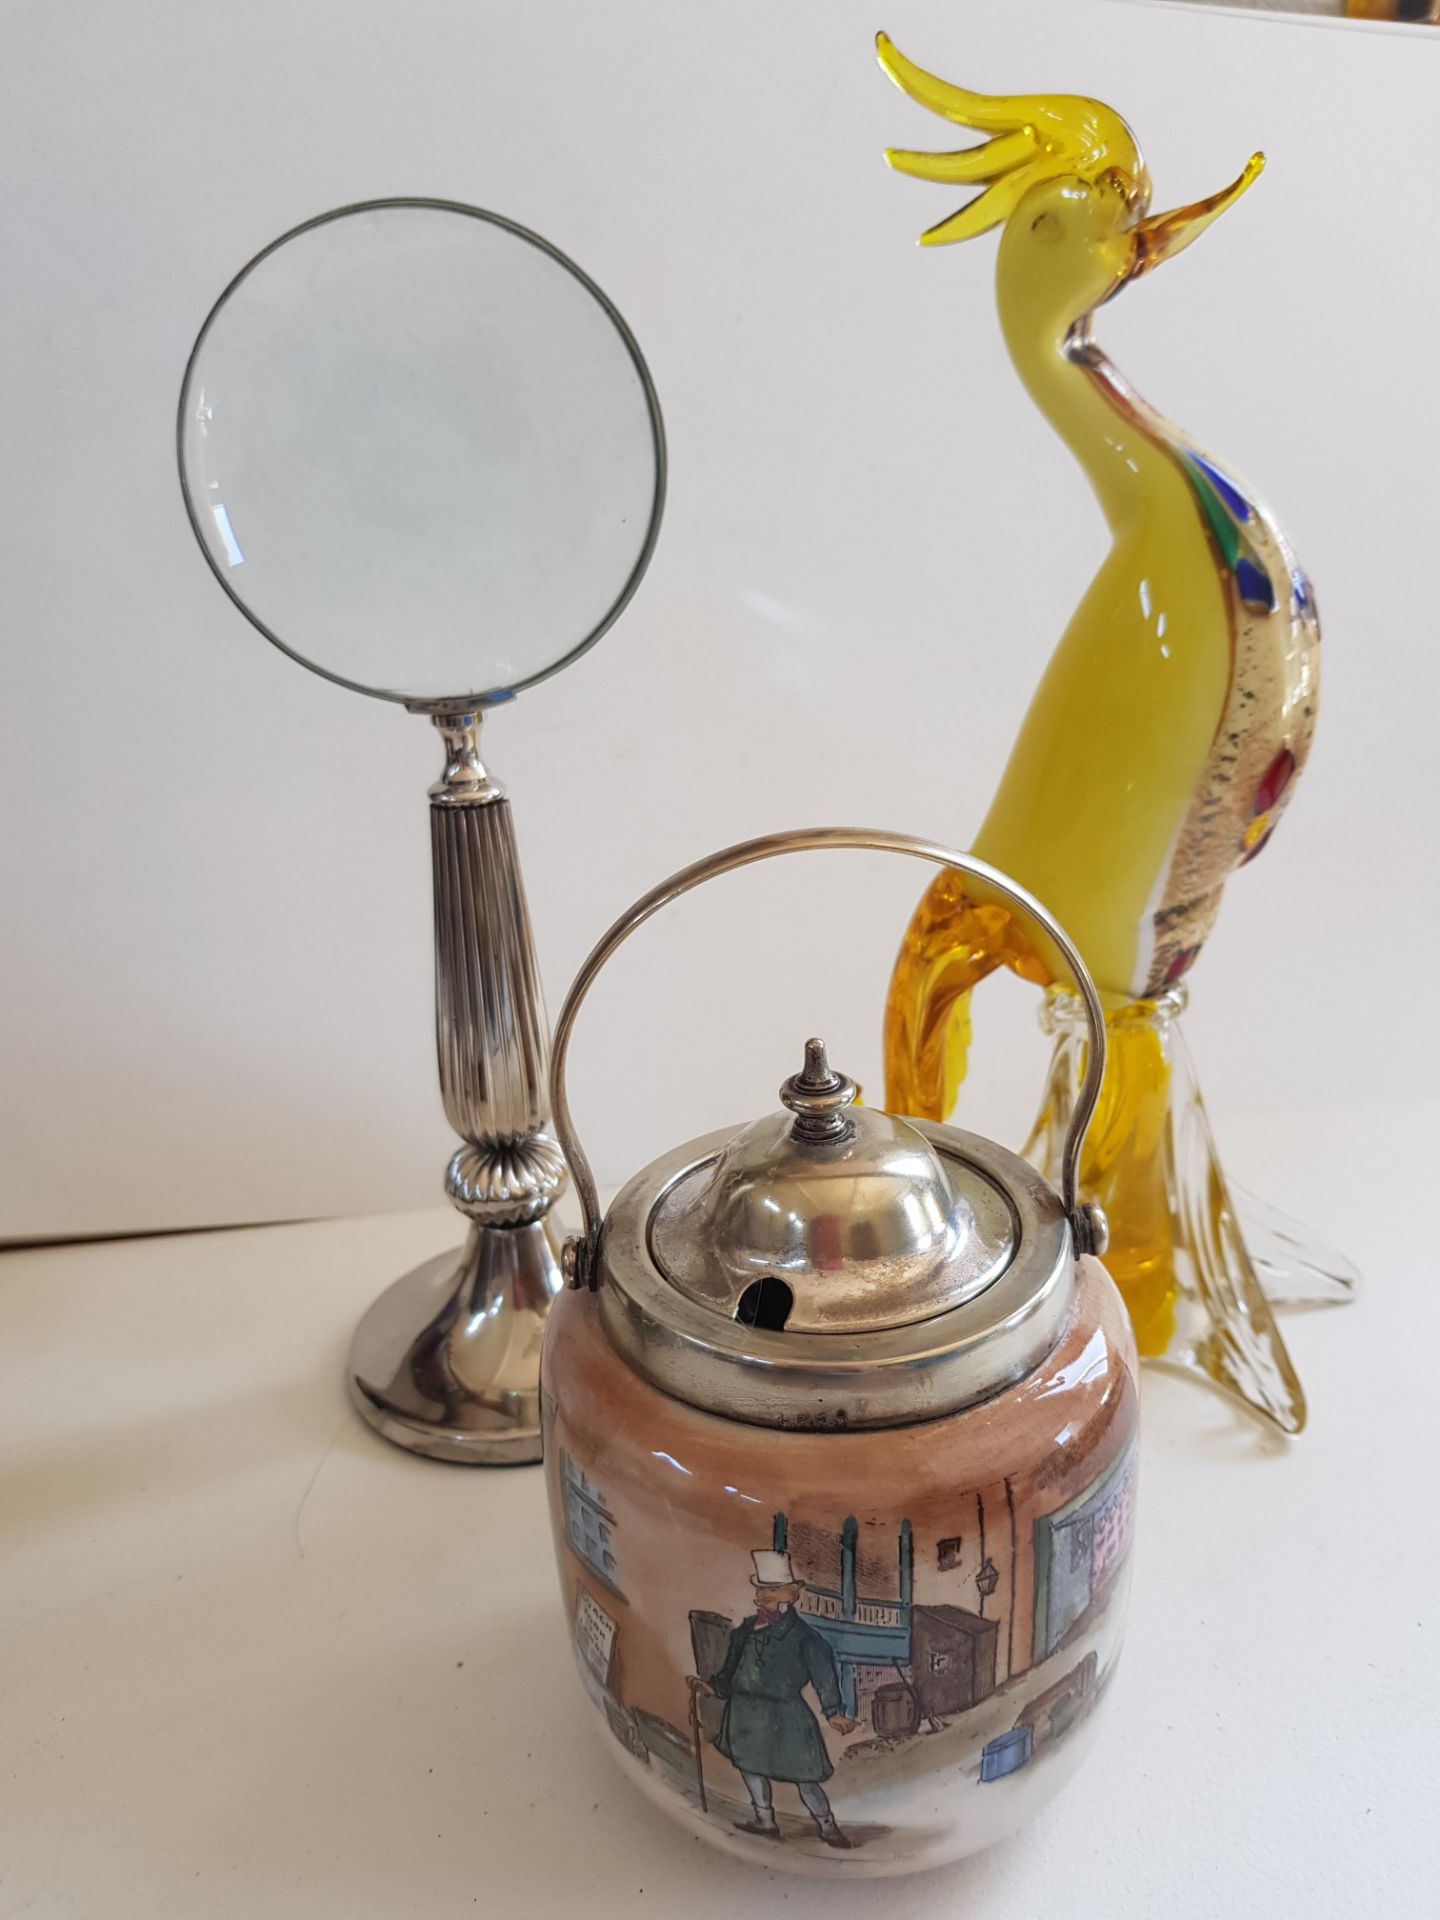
452 699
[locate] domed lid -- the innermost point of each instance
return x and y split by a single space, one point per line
831 1218
833 1266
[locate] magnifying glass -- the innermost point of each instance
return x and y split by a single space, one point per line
423 455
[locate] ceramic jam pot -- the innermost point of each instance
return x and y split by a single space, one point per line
839 1446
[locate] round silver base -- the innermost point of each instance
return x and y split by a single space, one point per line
447 1361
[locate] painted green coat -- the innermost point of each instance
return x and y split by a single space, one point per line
768 1727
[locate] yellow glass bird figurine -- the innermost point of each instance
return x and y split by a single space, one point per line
1160 749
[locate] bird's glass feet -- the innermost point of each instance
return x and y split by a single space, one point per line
1199 1272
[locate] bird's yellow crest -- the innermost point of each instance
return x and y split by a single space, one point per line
1033 137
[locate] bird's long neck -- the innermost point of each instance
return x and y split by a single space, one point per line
1118 736
1117 439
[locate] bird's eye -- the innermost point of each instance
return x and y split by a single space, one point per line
1045 227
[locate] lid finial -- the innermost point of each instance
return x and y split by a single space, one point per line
818 1097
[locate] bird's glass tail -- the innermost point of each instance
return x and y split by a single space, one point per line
1199 1293
952 942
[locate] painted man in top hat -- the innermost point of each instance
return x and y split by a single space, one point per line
769 1730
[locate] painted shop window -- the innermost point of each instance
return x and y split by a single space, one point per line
950 1554
1077 1552
589 1524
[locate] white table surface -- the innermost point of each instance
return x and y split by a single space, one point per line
254 1661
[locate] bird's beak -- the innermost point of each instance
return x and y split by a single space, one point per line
1164 235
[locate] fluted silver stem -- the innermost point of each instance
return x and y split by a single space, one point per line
490 1028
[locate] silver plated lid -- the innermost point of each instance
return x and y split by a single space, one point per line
831 1218
833 1266
887 1274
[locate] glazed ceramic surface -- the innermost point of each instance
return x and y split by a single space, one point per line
847 1653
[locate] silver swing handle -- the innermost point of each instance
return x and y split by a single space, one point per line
1087 1222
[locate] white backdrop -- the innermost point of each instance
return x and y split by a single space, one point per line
216 941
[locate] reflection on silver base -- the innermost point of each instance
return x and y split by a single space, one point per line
447 1360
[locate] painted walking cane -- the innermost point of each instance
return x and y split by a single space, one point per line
1160 749
698 1741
